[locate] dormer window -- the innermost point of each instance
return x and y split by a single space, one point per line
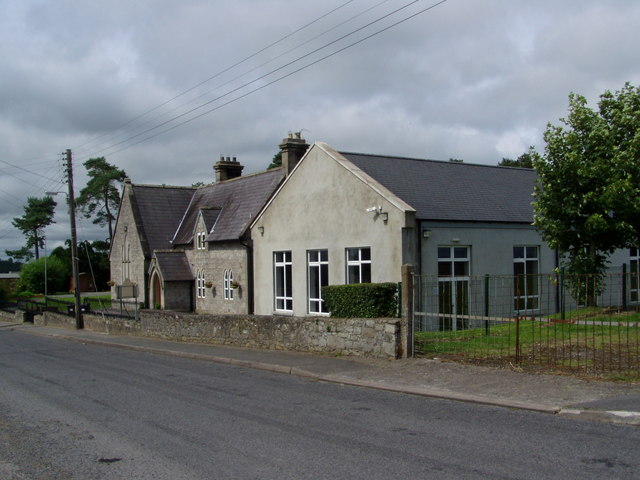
200 243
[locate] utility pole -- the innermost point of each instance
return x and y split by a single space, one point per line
74 243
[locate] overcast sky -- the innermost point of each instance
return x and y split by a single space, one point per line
162 88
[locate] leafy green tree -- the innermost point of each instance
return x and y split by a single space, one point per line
38 213
100 198
93 258
23 254
523 161
587 201
276 161
9 265
32 275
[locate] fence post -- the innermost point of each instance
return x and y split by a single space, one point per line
562 302
517 338
486 304
624 286
406 322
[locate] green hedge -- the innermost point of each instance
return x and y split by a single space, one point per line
362 300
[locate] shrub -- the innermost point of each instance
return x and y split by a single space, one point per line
32 275
3 295
362 300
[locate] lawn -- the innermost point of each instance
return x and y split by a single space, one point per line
98 302
593 340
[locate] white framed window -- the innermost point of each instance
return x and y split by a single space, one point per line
317 277
200 243
358 265
200 288
453 261
283 293
526 279
454 266
634 272
227 285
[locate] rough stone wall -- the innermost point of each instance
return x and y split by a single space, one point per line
16 317
129 242
353 336
217 258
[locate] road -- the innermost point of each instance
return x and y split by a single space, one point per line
74 411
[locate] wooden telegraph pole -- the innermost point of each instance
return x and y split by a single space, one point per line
74 243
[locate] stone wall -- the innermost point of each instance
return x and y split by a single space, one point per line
16 317
352 336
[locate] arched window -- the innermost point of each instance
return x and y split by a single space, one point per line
227 285
126 261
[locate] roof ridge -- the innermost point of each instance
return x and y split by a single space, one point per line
242 177
431 160
163 186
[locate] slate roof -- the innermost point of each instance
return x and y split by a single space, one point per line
451 191
158 209
210 216
173 265
237 202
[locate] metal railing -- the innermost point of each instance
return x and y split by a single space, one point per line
567 322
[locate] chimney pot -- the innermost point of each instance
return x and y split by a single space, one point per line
226 169
292 150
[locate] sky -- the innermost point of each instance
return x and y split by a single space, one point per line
163 88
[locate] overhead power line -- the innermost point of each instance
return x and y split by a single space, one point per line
151 120
262 77
221 72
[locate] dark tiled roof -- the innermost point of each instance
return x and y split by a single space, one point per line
210 216
453 191
173 266
159 209
239 201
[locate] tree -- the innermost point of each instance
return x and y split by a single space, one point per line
276 161
587 200
100 198
32 276
9 265
523 161
93 258
38 213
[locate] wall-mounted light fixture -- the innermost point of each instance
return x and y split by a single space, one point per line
455 240
377 212
261 230
426 233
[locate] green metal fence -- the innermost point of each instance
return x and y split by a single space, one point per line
586 323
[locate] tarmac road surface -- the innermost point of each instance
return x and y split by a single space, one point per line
73 411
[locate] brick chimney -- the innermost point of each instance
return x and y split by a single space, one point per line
292 148
227 168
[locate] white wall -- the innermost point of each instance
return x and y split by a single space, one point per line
323 205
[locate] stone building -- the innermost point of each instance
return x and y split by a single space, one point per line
189 249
